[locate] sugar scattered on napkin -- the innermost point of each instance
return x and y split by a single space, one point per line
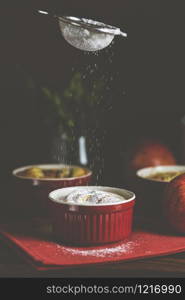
100 252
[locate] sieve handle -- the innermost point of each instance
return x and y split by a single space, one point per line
123 34
45 12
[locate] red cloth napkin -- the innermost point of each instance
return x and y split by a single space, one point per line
45 253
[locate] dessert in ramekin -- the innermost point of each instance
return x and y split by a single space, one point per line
91 215
32 184
151 184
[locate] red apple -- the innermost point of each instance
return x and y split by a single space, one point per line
174 203
149 153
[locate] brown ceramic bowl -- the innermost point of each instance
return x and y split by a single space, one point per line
31 194
150 191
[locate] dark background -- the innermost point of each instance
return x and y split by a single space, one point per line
147 93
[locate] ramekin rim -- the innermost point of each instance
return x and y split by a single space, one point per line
133 197
157 167
89 172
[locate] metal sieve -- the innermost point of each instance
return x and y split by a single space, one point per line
86 34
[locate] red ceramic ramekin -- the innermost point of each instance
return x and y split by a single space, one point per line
31 194
84 224
150 192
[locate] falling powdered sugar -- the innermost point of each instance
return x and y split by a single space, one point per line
101 252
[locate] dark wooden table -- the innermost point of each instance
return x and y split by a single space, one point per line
13 265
